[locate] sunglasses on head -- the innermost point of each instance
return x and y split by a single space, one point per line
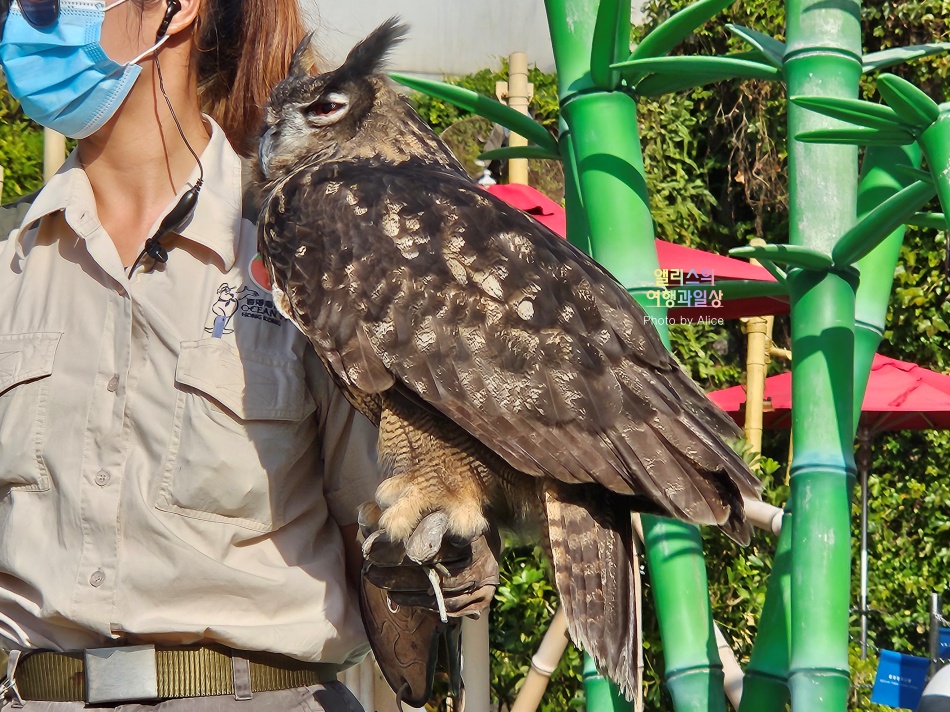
39 13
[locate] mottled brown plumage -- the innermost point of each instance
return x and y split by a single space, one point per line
511 376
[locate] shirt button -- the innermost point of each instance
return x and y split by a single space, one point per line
102 478
97 578
113 384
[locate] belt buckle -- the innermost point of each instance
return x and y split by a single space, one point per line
122 674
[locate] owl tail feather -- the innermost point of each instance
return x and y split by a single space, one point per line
591 550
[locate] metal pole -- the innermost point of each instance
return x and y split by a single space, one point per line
864 466
936 621
759 336
756 328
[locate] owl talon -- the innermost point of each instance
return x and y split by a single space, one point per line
426 540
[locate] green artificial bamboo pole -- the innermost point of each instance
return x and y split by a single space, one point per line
765 686
600 694
880 179
601 147
821 477
935 142
822 58
802 641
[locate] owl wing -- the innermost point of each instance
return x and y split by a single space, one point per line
417 278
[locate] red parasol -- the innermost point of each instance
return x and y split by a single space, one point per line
683 259
900 396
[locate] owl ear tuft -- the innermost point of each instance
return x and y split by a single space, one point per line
367 57
304 61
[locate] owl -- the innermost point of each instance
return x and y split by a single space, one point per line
514 381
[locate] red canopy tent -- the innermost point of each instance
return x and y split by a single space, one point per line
671 257
900 396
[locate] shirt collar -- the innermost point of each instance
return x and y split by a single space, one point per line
216 222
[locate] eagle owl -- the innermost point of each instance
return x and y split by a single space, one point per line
512 378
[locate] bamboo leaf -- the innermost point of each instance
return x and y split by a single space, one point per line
771 48
913 173
504 154
752 55
911 104
776 271
676 28
855 111
896 55
881 222
700 70
659 84
483 106
604 44
937 221
857 137
794 255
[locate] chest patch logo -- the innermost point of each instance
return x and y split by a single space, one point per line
243 302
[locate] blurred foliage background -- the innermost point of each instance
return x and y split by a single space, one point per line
715 160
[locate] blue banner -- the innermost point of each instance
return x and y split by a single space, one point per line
900 680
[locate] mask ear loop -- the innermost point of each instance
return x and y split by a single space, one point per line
151 50
161 38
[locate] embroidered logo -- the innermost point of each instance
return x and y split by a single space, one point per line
226 307
243 301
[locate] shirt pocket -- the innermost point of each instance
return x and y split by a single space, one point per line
26 364
242 427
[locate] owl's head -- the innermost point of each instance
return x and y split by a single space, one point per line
318 115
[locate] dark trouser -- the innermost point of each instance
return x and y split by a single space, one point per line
329 697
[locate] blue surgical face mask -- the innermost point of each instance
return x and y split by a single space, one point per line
60 74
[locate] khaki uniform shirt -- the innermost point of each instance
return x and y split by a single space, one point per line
174 459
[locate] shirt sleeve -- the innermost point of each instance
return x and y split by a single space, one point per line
350 473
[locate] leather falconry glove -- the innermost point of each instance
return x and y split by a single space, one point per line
413 596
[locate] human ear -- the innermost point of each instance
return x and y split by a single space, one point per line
178 15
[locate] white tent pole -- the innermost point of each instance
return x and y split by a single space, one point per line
476 668
543 664
54 152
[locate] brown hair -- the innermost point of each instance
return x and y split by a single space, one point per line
244 48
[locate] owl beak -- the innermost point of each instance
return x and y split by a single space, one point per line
264 150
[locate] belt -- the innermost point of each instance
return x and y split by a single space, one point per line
103 675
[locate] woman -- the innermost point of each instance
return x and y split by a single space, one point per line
179 477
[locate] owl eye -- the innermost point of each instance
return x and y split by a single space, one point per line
328 108
324 108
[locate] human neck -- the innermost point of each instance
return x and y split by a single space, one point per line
137 162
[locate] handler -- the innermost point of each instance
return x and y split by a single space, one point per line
179 476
